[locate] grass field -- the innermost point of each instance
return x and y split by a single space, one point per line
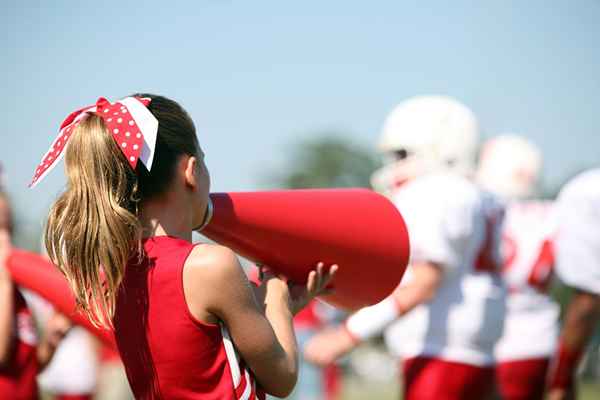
358 389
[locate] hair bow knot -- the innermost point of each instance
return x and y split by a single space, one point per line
133 127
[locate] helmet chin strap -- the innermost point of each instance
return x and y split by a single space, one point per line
207 216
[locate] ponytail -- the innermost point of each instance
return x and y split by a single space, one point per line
92 228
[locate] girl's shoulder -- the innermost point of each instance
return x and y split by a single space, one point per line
213 268
213 259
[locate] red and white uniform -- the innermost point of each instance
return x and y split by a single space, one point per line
531 324
167 353
578 239
451 223
454 224
18 377
72 370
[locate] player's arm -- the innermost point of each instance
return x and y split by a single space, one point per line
581 319
215 286
6 300
331 344
57 328
371 321
577 265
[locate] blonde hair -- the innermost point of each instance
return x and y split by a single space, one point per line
93 229
93 223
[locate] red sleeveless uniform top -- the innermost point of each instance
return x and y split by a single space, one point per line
167 353
18 377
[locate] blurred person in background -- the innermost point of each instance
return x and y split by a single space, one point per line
578 266
82 367
510 167
445 317
112 381
22 355
315 382
71 374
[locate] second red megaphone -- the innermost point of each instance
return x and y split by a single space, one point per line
37 274
291 230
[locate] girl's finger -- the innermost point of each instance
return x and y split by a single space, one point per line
311 282
330 274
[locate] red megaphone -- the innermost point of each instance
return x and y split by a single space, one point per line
291 230
39 275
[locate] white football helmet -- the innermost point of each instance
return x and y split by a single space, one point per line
510 166
424 134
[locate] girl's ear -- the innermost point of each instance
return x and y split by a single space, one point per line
190 171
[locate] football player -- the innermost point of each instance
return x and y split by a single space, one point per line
578 266
445 317
510 167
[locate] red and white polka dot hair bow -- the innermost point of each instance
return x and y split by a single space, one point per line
128 121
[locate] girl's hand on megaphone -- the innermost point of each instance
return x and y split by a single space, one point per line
272 291
275 289
316 285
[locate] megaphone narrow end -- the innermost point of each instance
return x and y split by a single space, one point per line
208 214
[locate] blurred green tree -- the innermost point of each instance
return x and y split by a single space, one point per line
327 160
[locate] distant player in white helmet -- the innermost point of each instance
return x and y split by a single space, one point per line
445 317
426 134
510 167
578 266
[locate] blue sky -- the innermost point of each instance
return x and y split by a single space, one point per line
256 76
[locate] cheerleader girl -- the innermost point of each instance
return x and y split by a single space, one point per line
187 322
